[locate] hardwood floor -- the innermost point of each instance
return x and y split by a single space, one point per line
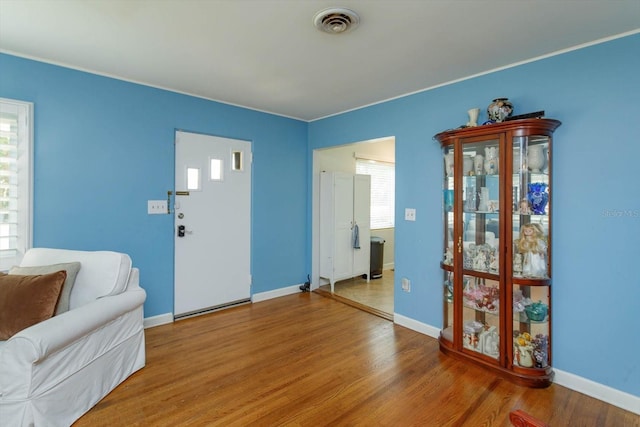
308 360
376 297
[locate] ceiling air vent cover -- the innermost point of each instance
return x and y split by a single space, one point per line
336 20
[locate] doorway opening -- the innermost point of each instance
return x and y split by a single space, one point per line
375 295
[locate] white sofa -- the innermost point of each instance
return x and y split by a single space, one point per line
53 372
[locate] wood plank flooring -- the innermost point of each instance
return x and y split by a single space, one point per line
308 360
375 297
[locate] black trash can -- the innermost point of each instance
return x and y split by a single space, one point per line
377 256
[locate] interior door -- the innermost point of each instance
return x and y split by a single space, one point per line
362 217
343 210
212 223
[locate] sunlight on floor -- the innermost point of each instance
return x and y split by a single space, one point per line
378 293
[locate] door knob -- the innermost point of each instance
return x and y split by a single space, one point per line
181 230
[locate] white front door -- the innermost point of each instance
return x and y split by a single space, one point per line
212 222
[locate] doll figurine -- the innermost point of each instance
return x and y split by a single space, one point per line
533 247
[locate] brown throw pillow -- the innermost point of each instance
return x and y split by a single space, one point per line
27 300
71 268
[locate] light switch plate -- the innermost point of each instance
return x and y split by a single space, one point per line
409 214
156 207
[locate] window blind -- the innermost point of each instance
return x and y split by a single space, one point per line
383 186
15 181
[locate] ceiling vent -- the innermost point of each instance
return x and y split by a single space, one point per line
336 20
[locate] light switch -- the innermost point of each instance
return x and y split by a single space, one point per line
156 207
409 214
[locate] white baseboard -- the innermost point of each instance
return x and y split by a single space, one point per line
161 319
612 396
598 391
412 324
388 266
263 296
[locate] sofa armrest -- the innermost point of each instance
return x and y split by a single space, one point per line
30 347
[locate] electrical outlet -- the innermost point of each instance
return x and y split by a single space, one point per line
409 214
406 284
156 207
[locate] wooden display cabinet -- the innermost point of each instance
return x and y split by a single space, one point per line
497 247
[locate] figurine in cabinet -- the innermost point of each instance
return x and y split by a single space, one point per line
517 264
524 355
491 160
448 257
493 262
448 164
480 261
533 247
478 164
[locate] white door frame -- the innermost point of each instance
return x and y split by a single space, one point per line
315 212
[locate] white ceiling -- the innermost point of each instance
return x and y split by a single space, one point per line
267 55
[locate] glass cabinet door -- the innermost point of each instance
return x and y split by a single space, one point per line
481 209
480 231
530 199
448 198
481 315
531 269
447 329
531 326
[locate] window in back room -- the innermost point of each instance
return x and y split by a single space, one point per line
383 178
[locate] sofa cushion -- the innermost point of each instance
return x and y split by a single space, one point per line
27 300
72 271
103 272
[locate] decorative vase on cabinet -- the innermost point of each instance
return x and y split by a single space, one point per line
496 270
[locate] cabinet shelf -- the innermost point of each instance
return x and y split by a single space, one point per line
532 322
529 214
473 306
481 274
530 281
489 221
497 211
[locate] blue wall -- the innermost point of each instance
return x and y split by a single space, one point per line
595 92
103 147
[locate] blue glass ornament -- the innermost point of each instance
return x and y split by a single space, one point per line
538 197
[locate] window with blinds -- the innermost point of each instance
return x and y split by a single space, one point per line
383 191
15 181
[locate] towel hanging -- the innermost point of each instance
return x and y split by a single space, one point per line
356 237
